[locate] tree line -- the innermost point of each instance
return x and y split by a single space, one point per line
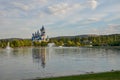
103 40
15 43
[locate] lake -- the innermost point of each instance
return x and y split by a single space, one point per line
35 62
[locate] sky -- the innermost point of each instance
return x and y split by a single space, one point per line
21 18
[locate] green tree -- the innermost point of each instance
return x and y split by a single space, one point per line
78 44
43 43
70 43
35 43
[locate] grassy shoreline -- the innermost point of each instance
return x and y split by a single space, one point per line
114 75
106 47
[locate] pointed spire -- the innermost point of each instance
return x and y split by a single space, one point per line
42 26
42 29
40 35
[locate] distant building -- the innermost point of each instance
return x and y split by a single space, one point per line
40 35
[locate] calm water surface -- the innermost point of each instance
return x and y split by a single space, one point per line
29 63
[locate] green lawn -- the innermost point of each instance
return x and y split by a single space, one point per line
98 76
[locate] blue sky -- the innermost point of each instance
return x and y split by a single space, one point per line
20 18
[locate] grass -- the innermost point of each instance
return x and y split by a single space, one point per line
97 76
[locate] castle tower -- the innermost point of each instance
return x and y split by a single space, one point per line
42 31
43 36
40 35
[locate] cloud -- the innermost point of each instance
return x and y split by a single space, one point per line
63 8
42 1
112 18
21 6
58 15
95 31
114 26
42 8
12 13
29 5
94 19
93 4
112 29
2 13
31 8
59 8
38 3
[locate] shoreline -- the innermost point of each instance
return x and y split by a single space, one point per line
109 75
118 47
107 47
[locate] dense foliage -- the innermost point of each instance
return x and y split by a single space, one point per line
42 43
15 43
103 40
20 43
3 44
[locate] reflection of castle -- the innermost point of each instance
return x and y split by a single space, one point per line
39 56
37 36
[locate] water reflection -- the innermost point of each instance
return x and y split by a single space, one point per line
23 63
39 56
19 52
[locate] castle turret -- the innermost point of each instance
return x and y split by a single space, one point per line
42 31
37 36
33 36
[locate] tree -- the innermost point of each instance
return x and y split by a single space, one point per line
35 43
70 43
43 44
78 44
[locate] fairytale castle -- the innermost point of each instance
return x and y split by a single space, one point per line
40 35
